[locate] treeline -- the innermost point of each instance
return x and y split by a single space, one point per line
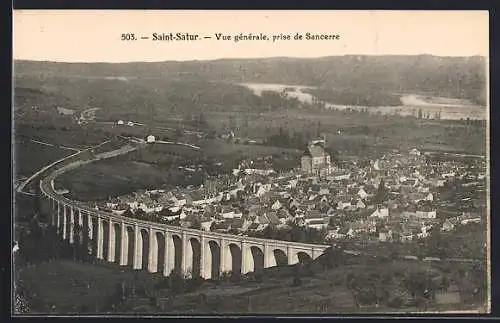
397 286
297 140
294 233
146 99
355 97
272 100
460 77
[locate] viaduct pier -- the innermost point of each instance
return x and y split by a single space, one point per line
158 247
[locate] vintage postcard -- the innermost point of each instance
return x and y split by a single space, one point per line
250 162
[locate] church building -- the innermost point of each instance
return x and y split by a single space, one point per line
315 160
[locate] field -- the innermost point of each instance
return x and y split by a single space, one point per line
230 153
29 157
36 146
151 167
157 166
357 133
65 133
102 179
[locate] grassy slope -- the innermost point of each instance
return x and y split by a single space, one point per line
66 285
30 157
108 178
79 287
151 168
72 287
64 133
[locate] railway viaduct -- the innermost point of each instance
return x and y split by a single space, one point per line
162 248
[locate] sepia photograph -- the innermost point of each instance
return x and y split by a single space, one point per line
250 162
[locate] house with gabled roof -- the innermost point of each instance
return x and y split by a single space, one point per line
313 215
284 215
276 205
238 224
299 221
362 193
343 204
292 183
221 227
262 219
449 224
312 197
380 213
206 223
360 204
332 212
318 224
323 199
255 227
406 235
385 234
228 212
324 191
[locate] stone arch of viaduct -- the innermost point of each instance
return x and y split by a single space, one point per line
163 248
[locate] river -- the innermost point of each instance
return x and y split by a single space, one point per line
450 109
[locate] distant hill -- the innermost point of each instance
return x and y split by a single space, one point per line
456 77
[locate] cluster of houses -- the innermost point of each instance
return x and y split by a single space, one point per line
397 197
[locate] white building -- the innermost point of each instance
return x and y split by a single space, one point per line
426 214
362 193
380 213
277 205
414 152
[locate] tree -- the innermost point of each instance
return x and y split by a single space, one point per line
382 193
81 239
128 213
175 282
296 281
318 129
298 234
420 113
140 214
334 257
436 245
213 226
394 253
418 283
196 223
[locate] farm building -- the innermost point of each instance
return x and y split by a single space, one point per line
150 139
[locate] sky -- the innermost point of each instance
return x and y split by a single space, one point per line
95 35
